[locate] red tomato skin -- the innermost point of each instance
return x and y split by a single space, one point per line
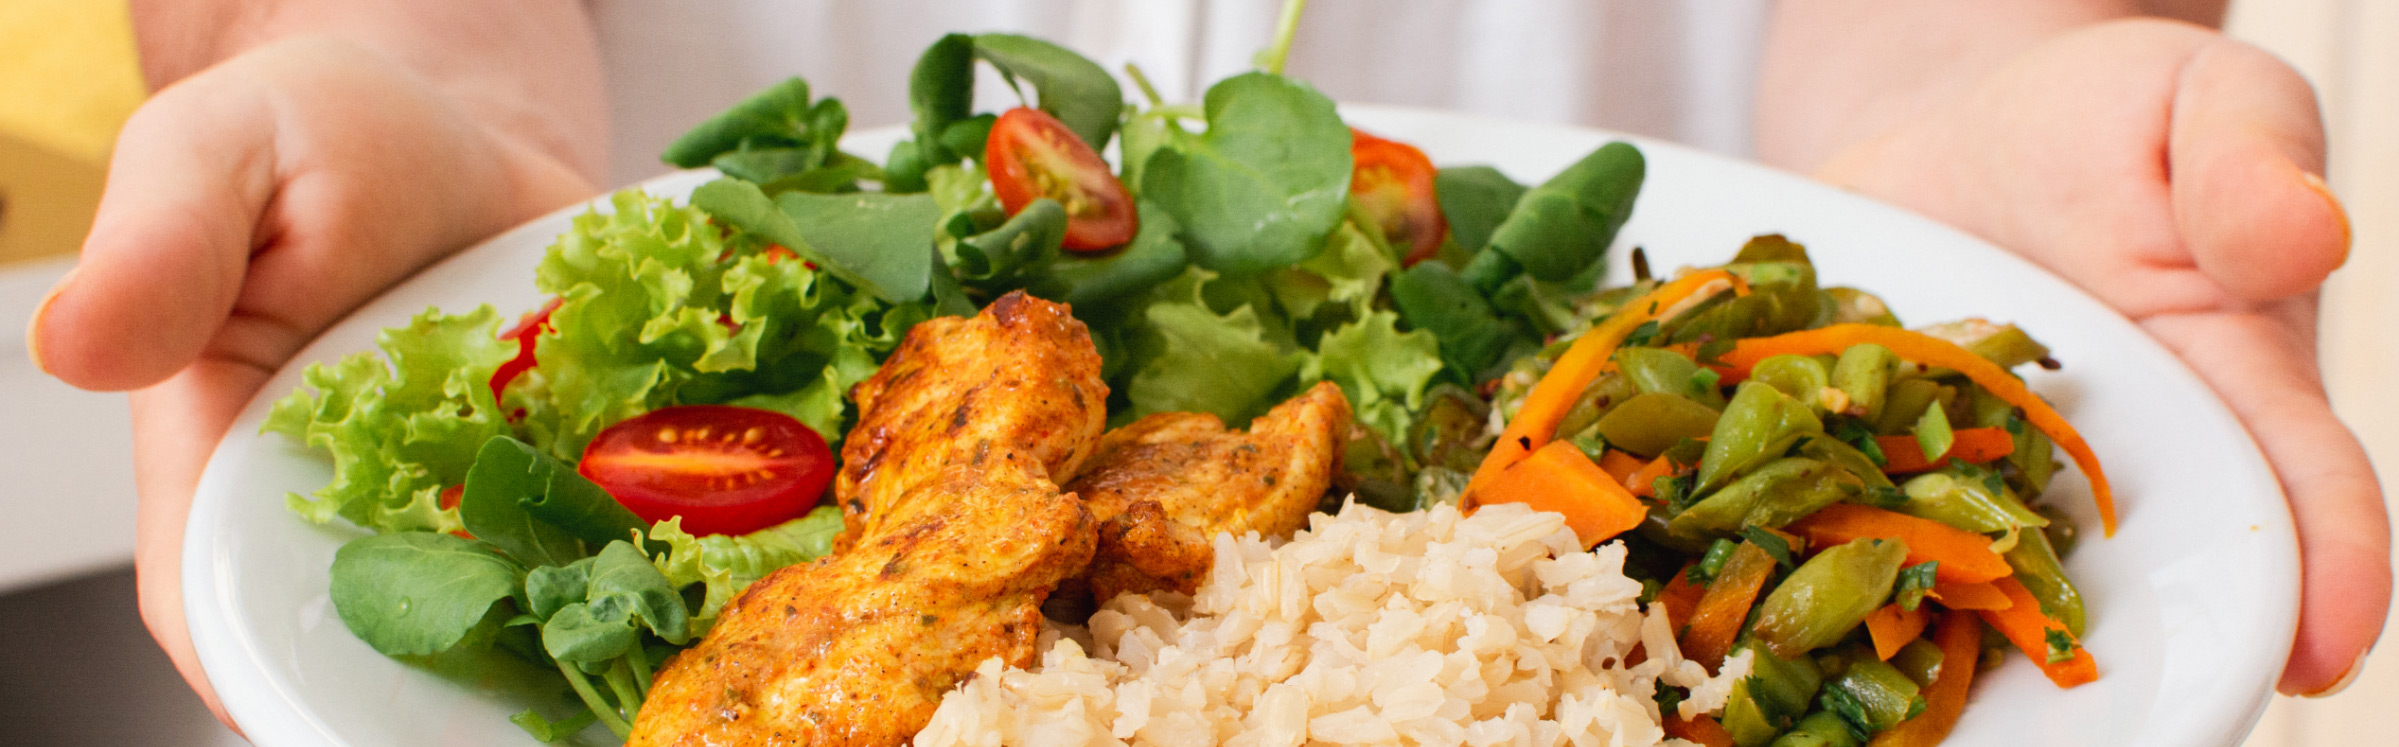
1032 155
523 333
1394 181
724 469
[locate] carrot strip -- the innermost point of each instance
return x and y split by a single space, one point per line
1972 596
1960 639
1620 465
1717 621
1923 348
1536 423
1965 557
1681 597
2024 625
1559 478
1644 483
1904 454
1893 626
1701 729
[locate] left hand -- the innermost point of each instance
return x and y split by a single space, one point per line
2175 174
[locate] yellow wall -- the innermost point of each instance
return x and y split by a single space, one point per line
68 79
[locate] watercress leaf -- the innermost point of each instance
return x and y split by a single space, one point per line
552 587
1431 297
589 632
1558 229
782 116
879 237
764 165
1267 181
1475 200
1032 236
545 730
564 499
941 91
418 593
507 474
624 572
1086 280
949 297
1080 93
969 136
743 205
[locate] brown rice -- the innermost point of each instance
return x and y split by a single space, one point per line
1367 628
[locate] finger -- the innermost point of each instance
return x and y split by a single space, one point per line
2265 370
176 427
2246 153
349 173
193 171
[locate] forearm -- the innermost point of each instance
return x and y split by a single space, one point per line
528 71
1836 72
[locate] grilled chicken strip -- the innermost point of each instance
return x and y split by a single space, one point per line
957 534
1165 484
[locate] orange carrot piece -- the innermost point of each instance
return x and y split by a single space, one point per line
1972 596
1559 478
1904 454
1930 350
1893 626
1620 465
1536 423
1644 483
1960 638
1965 557
2025 626
1717 621
1681 597
1701 729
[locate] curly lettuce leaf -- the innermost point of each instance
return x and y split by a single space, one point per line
729 563
399 432
663 307
1382 370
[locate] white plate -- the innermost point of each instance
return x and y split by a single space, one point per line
2192 603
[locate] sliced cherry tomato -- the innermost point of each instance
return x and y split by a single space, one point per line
724 469
1393 181
1032 155
523 333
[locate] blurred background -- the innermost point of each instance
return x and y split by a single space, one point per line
77 668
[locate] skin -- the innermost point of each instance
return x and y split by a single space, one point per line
300 157
2172 172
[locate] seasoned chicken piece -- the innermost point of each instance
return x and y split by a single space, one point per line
1019 383
1165 484
958 534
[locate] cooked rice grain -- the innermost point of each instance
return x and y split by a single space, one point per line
1367 628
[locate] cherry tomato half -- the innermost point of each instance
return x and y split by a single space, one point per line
1032 155
724 469
1393 181
523 333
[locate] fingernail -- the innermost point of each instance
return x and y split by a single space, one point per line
2339 213
33 326
2350 676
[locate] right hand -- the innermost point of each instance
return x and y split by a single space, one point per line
248 207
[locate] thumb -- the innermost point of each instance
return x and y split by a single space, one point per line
190 180
2246 152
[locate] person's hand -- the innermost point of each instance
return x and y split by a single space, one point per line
2175 174
248 207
